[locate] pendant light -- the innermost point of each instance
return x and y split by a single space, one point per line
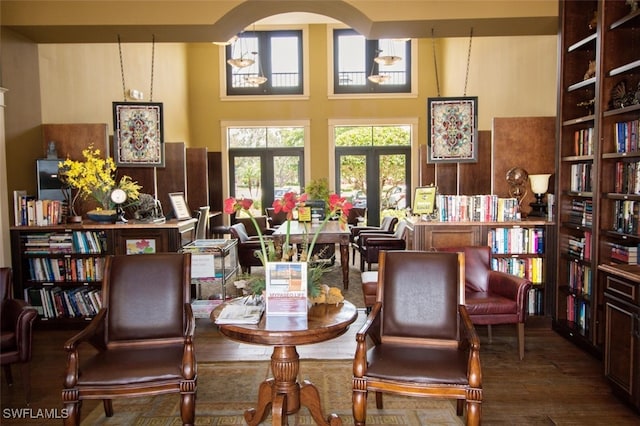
256 79
377 78
239 61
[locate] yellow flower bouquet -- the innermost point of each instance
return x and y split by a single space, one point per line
95 177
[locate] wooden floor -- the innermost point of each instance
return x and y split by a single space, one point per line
556 383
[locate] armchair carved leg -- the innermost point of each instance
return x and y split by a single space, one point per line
359 410
73 405
520 327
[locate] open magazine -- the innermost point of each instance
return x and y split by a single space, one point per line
241 311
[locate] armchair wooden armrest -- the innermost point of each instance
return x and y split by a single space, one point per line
474 370
189 366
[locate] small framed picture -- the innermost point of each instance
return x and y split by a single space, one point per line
424 200
180 208
138 134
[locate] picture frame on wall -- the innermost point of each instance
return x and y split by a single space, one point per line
424 200
453 129
138 134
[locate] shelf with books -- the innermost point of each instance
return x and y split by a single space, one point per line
58 268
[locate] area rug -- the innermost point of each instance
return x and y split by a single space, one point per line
227 389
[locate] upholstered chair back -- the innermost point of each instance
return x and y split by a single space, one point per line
477 261
145 296
239 232
388 222
420 294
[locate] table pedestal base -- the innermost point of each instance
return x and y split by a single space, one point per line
285 394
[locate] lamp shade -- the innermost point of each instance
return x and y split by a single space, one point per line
539 183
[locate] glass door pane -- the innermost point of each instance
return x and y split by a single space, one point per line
287 175
247 181
353 179
393 185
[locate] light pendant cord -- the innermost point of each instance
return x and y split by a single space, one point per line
466 78
124 86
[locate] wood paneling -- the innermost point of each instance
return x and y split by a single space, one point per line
71 139
215 185
473 178
197 181
172 178
526 142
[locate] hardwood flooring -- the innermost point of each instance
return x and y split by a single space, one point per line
555 384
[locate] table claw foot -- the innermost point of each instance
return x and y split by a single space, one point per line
253 416
310 398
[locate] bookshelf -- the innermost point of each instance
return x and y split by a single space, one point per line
58 268
519 247
598 162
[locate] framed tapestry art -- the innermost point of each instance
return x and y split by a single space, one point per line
453 125
138 134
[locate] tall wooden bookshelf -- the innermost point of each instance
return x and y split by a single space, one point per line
597 196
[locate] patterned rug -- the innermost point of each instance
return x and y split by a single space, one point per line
227 389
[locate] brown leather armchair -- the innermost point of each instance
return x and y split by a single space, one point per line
274 220
493 297
16 321
386 227
370 244
247 247
250 228
423 341
143 335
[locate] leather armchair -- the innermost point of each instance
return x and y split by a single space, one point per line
493 297
423 343
16 321
250 228
143 336
247 247
386 227
274 220
370 244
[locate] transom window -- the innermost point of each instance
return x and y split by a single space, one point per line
277 56
354 62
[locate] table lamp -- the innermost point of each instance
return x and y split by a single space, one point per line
539 187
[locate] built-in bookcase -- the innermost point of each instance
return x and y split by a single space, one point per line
598 160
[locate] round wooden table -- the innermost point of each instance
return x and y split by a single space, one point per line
283 392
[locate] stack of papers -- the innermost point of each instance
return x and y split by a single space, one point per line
240 314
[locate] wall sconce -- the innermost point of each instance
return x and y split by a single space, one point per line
539 187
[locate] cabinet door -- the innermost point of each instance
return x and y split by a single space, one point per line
142 241
621 345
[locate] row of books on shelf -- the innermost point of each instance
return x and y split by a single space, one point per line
27 211
625 216
623 254
580 279
627 177
583 142
66 269
83 242
581 177
581 212
516 240
535 301
579 247
578 314
476 208
626 136
530 268
54 302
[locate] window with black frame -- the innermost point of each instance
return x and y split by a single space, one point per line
370 66
265 63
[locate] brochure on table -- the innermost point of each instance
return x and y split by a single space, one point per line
286 289
244 310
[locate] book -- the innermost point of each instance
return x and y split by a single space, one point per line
18 197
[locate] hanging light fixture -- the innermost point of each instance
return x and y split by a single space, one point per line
389 59
239 61
226 43
377 78
256 79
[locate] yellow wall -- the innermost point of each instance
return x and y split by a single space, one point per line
79 82
512 76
